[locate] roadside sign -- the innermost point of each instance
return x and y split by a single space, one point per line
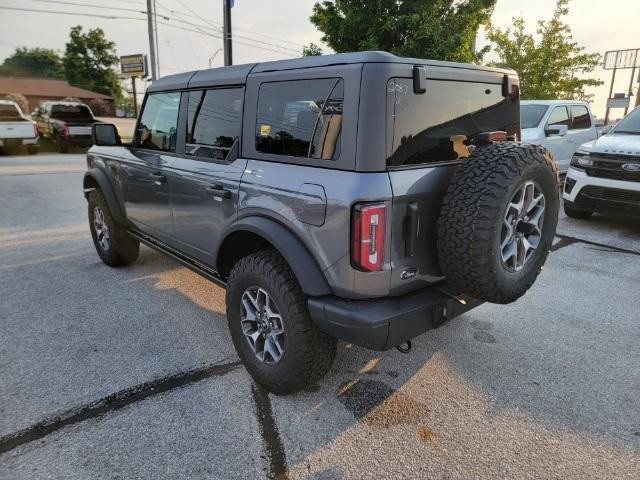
618 102
134 65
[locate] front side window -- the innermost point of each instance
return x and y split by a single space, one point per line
559 116
580 117
214 121
159 122
300 118
531 114
440 124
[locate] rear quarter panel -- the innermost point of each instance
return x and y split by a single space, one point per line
274 190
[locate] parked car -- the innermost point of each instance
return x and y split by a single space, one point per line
605 173
16 130
558 125
362 197
65 123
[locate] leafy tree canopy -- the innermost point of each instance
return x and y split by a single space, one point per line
550 65
89 59
33 62
311 50
434 29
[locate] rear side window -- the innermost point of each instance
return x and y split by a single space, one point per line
300 118
580 117
437 126
559 116
9 112
214 119
159 122
77 113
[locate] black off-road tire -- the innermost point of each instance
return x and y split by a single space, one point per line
308 352
471 220
32 149
122 248
572 212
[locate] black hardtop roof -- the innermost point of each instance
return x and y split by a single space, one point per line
237 74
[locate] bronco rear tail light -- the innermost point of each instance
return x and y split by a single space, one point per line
65 131
35 130
491 137
368 231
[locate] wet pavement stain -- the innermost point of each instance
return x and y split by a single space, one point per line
378 405
481 324
426 435
484 337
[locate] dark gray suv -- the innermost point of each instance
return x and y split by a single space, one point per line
362 197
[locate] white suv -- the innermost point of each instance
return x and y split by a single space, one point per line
605 173
560 126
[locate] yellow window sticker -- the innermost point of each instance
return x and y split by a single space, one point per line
265 130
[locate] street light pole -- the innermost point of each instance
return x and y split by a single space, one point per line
211 58
226 31
152 43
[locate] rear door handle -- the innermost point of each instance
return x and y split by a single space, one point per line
158 178
219 191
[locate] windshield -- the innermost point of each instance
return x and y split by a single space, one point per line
76 113
629 124
531 115
9 113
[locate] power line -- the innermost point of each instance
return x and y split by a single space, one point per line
120 17
176 18
201 18
57 12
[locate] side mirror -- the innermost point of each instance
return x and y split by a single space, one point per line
559 130
105 135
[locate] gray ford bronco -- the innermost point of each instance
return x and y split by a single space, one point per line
361 196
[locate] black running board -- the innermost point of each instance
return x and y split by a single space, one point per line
185 260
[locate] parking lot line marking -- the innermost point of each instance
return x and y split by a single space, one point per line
270 434
112 402
568 240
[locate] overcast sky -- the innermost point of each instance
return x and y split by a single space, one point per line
275 29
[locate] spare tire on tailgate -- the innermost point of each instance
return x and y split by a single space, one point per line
498 220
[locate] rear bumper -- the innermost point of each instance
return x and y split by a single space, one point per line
383 323
5 142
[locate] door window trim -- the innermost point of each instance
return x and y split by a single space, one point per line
572 117
181 133
547 124
237 144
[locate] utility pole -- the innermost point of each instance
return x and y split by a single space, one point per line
155 29
226 31
135 97
152 42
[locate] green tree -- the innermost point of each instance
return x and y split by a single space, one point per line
551 65
435 29
33 62
89 59
311 50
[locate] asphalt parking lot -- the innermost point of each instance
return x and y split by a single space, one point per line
131 373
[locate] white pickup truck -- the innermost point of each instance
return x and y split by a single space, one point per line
16 129
561 126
